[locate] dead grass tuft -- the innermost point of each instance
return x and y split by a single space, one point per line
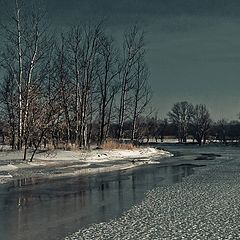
111 145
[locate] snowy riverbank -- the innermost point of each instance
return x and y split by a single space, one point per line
60 163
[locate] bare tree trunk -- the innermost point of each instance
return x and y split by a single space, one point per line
133 50
20 74
77 143
134 126
122 111
28 89
107 83
109 116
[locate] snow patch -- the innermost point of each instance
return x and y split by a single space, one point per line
100 155
8 167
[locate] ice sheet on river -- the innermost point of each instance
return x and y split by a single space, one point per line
204 206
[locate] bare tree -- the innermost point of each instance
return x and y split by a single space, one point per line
12 60
133 48
201 123
8 93
23 59
180 115
84 47
65 87
141 92
44 113
108 87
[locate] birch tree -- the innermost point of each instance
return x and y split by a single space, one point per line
24 57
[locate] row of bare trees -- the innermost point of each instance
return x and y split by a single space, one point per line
191 119
220 131
58 89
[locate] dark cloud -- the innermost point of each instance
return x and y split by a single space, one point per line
149 7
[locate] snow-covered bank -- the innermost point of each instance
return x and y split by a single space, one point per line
101 155
59 163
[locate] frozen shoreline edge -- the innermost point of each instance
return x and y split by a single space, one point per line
76 163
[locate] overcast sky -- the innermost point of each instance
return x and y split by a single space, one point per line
193 45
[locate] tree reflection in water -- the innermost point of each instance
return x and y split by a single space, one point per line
49 209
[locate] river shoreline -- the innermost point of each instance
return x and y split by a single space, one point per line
69 206
203 206
59 163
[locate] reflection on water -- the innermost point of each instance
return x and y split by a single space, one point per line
36 209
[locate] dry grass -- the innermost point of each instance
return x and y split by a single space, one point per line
108 145
111 145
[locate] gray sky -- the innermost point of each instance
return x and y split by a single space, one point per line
193 46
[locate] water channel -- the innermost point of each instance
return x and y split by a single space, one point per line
51 209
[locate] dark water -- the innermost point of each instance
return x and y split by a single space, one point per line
36 209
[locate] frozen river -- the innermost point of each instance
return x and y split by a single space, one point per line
204 205
44 209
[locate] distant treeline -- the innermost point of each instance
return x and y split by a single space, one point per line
189 123
185 123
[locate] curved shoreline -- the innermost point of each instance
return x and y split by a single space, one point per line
58 164
204 206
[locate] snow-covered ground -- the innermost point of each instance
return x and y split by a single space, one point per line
100 155
57 163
